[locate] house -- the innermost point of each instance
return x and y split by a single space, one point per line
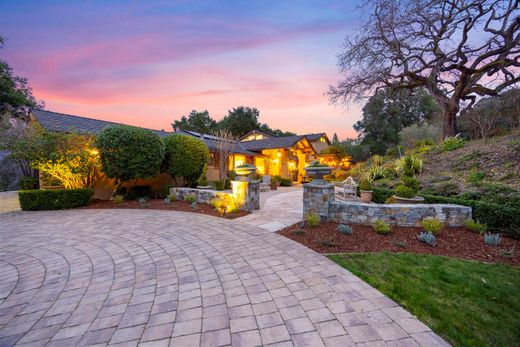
286 156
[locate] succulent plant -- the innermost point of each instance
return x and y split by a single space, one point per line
427 238
344 229
492 239
194 205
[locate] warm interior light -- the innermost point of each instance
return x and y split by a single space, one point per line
94 151
279 154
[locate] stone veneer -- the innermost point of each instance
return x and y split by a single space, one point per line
251 199
320 198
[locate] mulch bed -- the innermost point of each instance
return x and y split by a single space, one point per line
453 242
156 204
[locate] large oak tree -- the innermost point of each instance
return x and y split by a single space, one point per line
458 50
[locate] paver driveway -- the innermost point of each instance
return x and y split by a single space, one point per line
98 277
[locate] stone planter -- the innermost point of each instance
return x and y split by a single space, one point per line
317 173
273 186
245 171
366 195
414 200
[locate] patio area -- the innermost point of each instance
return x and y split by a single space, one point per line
158 278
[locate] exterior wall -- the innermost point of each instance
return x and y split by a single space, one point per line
320 198
319 146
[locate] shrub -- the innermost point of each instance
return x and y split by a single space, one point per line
277 178
139 191
475 226
285 182
118 198
390 200
129 153
344 229
203 180
380 195
427 238
313 219
381 227
217 185
476 176
365 185
172 197
190 198
452 143
412 183
403 191
28 183
432 225
185 157
227 184
409 165
446 188
224 204
492 239
36 200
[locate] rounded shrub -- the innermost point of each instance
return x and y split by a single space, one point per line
129 153
403 191
411 182
382 227
432 225
313 219
185 157
28 183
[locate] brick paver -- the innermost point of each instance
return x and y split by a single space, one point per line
159 278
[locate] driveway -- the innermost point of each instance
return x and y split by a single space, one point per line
159 278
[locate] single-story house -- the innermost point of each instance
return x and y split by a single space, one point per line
286 156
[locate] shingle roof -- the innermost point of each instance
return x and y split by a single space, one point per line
271 143
212 142
55 121
314 137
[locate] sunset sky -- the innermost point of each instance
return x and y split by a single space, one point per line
147 63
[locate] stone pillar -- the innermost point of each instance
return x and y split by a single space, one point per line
316 198
247 194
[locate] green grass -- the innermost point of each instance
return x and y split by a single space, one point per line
468 303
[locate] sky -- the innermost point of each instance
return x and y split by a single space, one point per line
147 63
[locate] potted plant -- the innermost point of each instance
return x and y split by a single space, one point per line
365 190
273 184
317 171
245 170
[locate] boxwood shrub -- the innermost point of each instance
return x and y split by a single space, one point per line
37 200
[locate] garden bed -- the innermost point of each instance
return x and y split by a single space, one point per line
453 242
157 204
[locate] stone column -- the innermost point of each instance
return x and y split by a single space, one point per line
247 194
316 198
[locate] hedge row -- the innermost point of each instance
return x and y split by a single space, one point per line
37 200
497 217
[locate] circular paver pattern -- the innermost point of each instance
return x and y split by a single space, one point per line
159 278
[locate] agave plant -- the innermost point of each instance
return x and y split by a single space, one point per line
427 238
492 239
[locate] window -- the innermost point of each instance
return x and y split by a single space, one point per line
211 159
322 139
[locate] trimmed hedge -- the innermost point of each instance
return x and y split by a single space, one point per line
497 217
37 200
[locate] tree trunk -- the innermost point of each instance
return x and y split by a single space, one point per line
449 121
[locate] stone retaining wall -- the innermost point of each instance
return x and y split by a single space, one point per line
244 192
320 198
397 214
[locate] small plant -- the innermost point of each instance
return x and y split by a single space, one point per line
508 253
365 185
390 200
412 183
403 191
316 163
224 204
285 182
313 219
344 229
427 238
382 227
194 205
298 232
143 202
166 201
119 198
173 197
476 176
401 244
432 225
190 198
492 239
475 226
452 143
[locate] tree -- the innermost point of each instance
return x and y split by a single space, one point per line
335 139
16 98
240 121
200 122
275 132
458 50
185 157
129 153
226 143
388 112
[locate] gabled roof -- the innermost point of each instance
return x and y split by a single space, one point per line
252 132
212 142
61 122
317 136
272 143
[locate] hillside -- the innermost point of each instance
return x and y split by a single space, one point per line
475 166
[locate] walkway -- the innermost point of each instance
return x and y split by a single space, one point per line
158 278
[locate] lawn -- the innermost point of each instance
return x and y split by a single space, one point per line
466 302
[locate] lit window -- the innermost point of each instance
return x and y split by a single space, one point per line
322 139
